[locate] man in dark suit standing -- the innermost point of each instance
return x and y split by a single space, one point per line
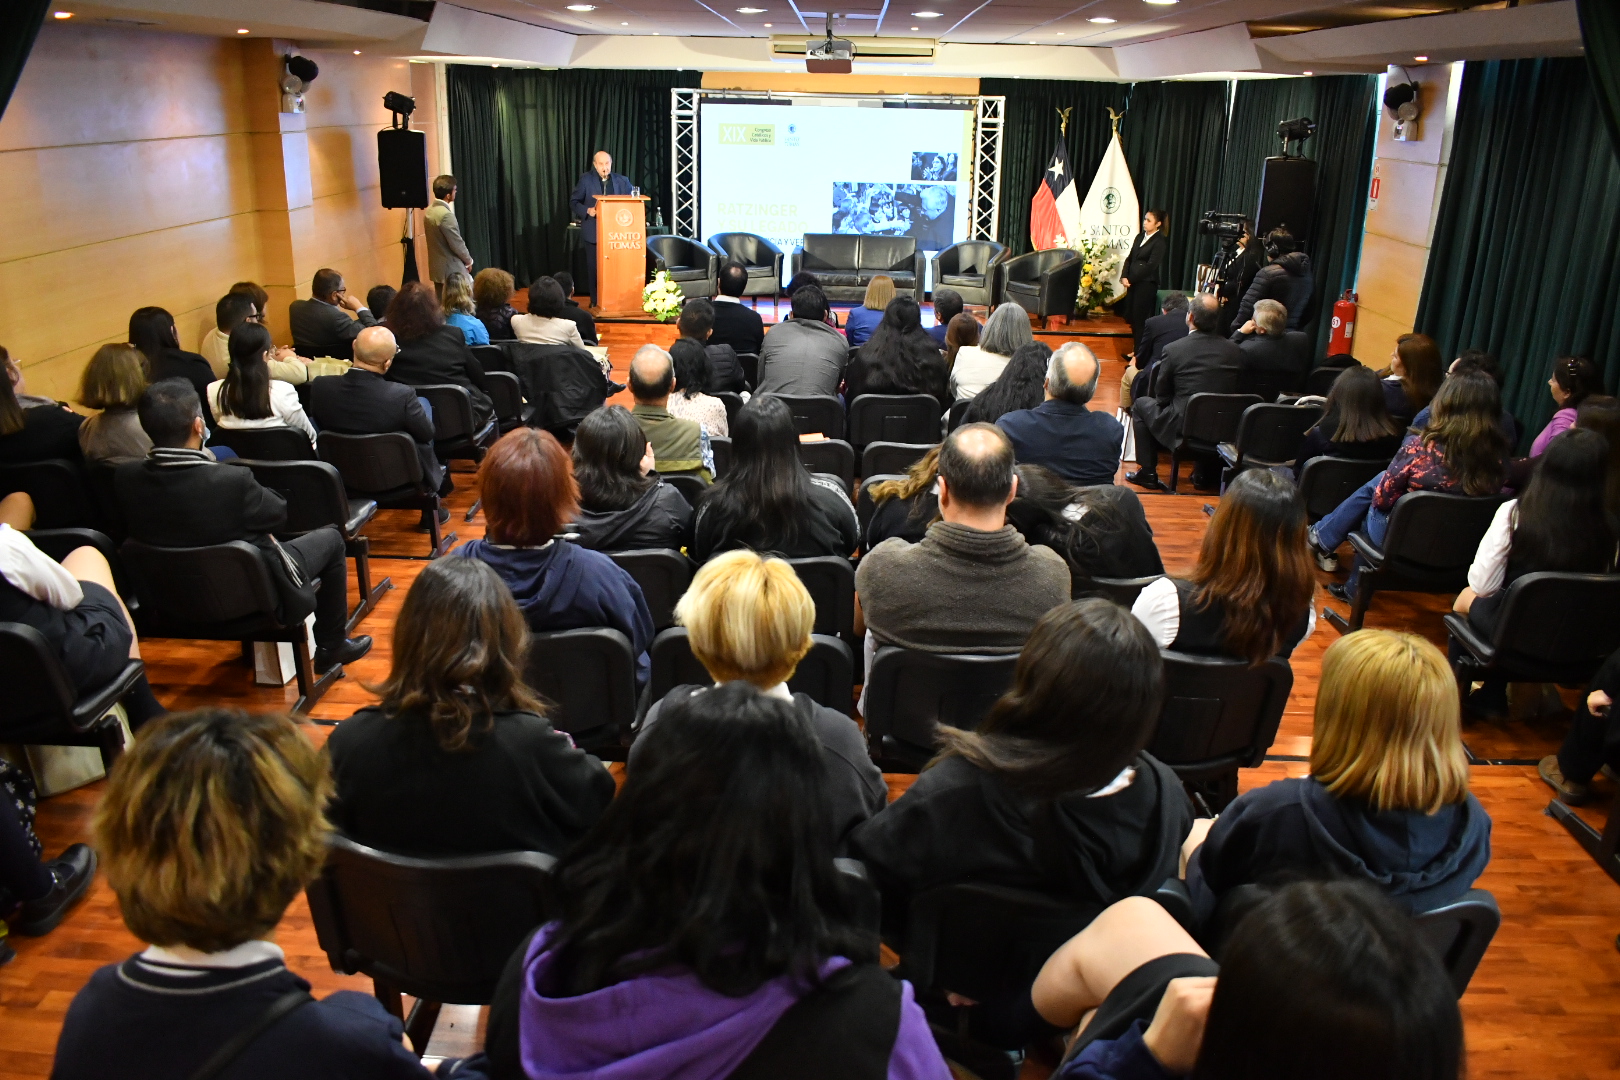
600 179
323 326
1140 274
179 496
1203 362
735 323
1269 347
1168 326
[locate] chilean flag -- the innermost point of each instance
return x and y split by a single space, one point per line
1054 213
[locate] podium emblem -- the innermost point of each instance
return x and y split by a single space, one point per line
623 217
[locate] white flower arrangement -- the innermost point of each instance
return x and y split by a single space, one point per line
1099 274
662 298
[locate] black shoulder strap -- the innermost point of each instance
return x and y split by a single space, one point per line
845 1028
233 1047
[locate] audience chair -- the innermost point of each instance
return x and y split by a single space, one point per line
867 901
1325 482
101 484
222 592
42 707
969 268
386 469
831 582
759 256
865 507
690 485
491 357
902 418
1211 420
1430 544
1549 628
316 498
1122 591
1460 932
816 414
750 368
456 435
60 490
265 444
506 392
733 403
1320 381
438 930
590 675
1218 715
1267 435
910 694
833 457
58 543
1042 282
893 457
689 264
1604 847
720 447
562 385
826 674
957 414
1269 385
662 573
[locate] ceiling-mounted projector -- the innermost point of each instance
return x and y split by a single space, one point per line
830 55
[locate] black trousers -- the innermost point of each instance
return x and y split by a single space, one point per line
587 279
1593 741
21 872
320 555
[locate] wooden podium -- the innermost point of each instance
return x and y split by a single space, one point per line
621 254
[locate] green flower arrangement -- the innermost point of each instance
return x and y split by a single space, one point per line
662 298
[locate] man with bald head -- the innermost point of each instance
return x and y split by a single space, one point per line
599 179
363 401
1061 433
678 446
972 584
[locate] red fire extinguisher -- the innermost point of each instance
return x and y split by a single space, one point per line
1342 338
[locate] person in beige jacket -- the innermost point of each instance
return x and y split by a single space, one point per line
447 251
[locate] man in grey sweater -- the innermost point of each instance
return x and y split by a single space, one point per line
803 355
972 584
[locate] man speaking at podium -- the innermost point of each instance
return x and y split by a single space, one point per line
600 180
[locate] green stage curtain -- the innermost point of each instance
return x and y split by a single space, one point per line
1174 133
519 139
1525 261
20 21
1346 118
1600 33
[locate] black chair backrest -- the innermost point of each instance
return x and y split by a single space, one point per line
265 444
1460 932
663 575
816 413
1122 591
313 491
678 251
437 929
750 369
1320 381
1218 714
1559 621
506 394
1325 482
912 418
720 446
835 457
37 685
59 488
958 412
1434 533
826 674
1268 383
909 694
690 487
561 383
1272 434
1213 418
865 507
733 403
491 358
590 675
893 457
750 249
373 464
201 586
831 581
452 410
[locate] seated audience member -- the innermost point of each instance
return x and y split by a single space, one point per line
1079 444
1415 373
492 302
212 824
864 318
328 322
151 330
1021 385
802 279
39 430
678 446
545 324
571 309
1601 413
1593 741
972 584
1326 980
529 495
458 309
37 892
234 309
1574 379
458 758
906 506
690 400
725 370
1249 597
962 331
802 354
698 911
1203 362
769 502
378 297
1169 326
899 358
947 306
1461 450
180 497
113 382
1055 792
748 618
1387 798
1101 531
735 323
1269 347
977 366
19 384
1286 278
363 401
1355 422
248 398
623 505
431 353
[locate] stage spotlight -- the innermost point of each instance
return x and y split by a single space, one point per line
400 105
1295 131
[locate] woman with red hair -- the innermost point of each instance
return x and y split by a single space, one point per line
527 484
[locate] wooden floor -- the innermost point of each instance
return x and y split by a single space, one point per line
1544 1003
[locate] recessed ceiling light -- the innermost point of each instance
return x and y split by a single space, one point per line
624 24
926 14
581 7
1101 20
1308 73
916 28
62 14
1060 33
766 25
1421 59
1164 3
243 31
750 10
655 33
357 52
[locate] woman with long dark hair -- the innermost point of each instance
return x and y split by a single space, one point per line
1249 597
1355 421
1601 413
1414 374
152 330
32 429
623 505
1101 531
458 757
691 400
961 331
431 352
1021 385
900 358
769 501
247 398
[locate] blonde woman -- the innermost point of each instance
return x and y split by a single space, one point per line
113 381
1387 800
864 319
748 619
459 310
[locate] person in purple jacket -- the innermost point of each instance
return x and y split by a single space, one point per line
703 931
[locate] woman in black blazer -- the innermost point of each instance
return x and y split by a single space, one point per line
430 352
1141 271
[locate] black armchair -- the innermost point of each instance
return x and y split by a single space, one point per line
591 676
900 418
826 673
1212 419
970 268
761 258
910 694
1218 715
1325 482
266 444
689 264
386 469
663 575
60 489
1043 282
1267 435
831 582
1549 628
43 708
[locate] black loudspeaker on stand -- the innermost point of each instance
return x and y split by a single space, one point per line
402 168
1287 197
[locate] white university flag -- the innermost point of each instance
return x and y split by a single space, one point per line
1109 212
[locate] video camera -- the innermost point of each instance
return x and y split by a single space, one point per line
1226 228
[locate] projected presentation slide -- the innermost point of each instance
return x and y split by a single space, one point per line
785 170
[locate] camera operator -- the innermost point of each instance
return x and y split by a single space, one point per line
1286 278
1245 264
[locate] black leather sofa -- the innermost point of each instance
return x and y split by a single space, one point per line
844 264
